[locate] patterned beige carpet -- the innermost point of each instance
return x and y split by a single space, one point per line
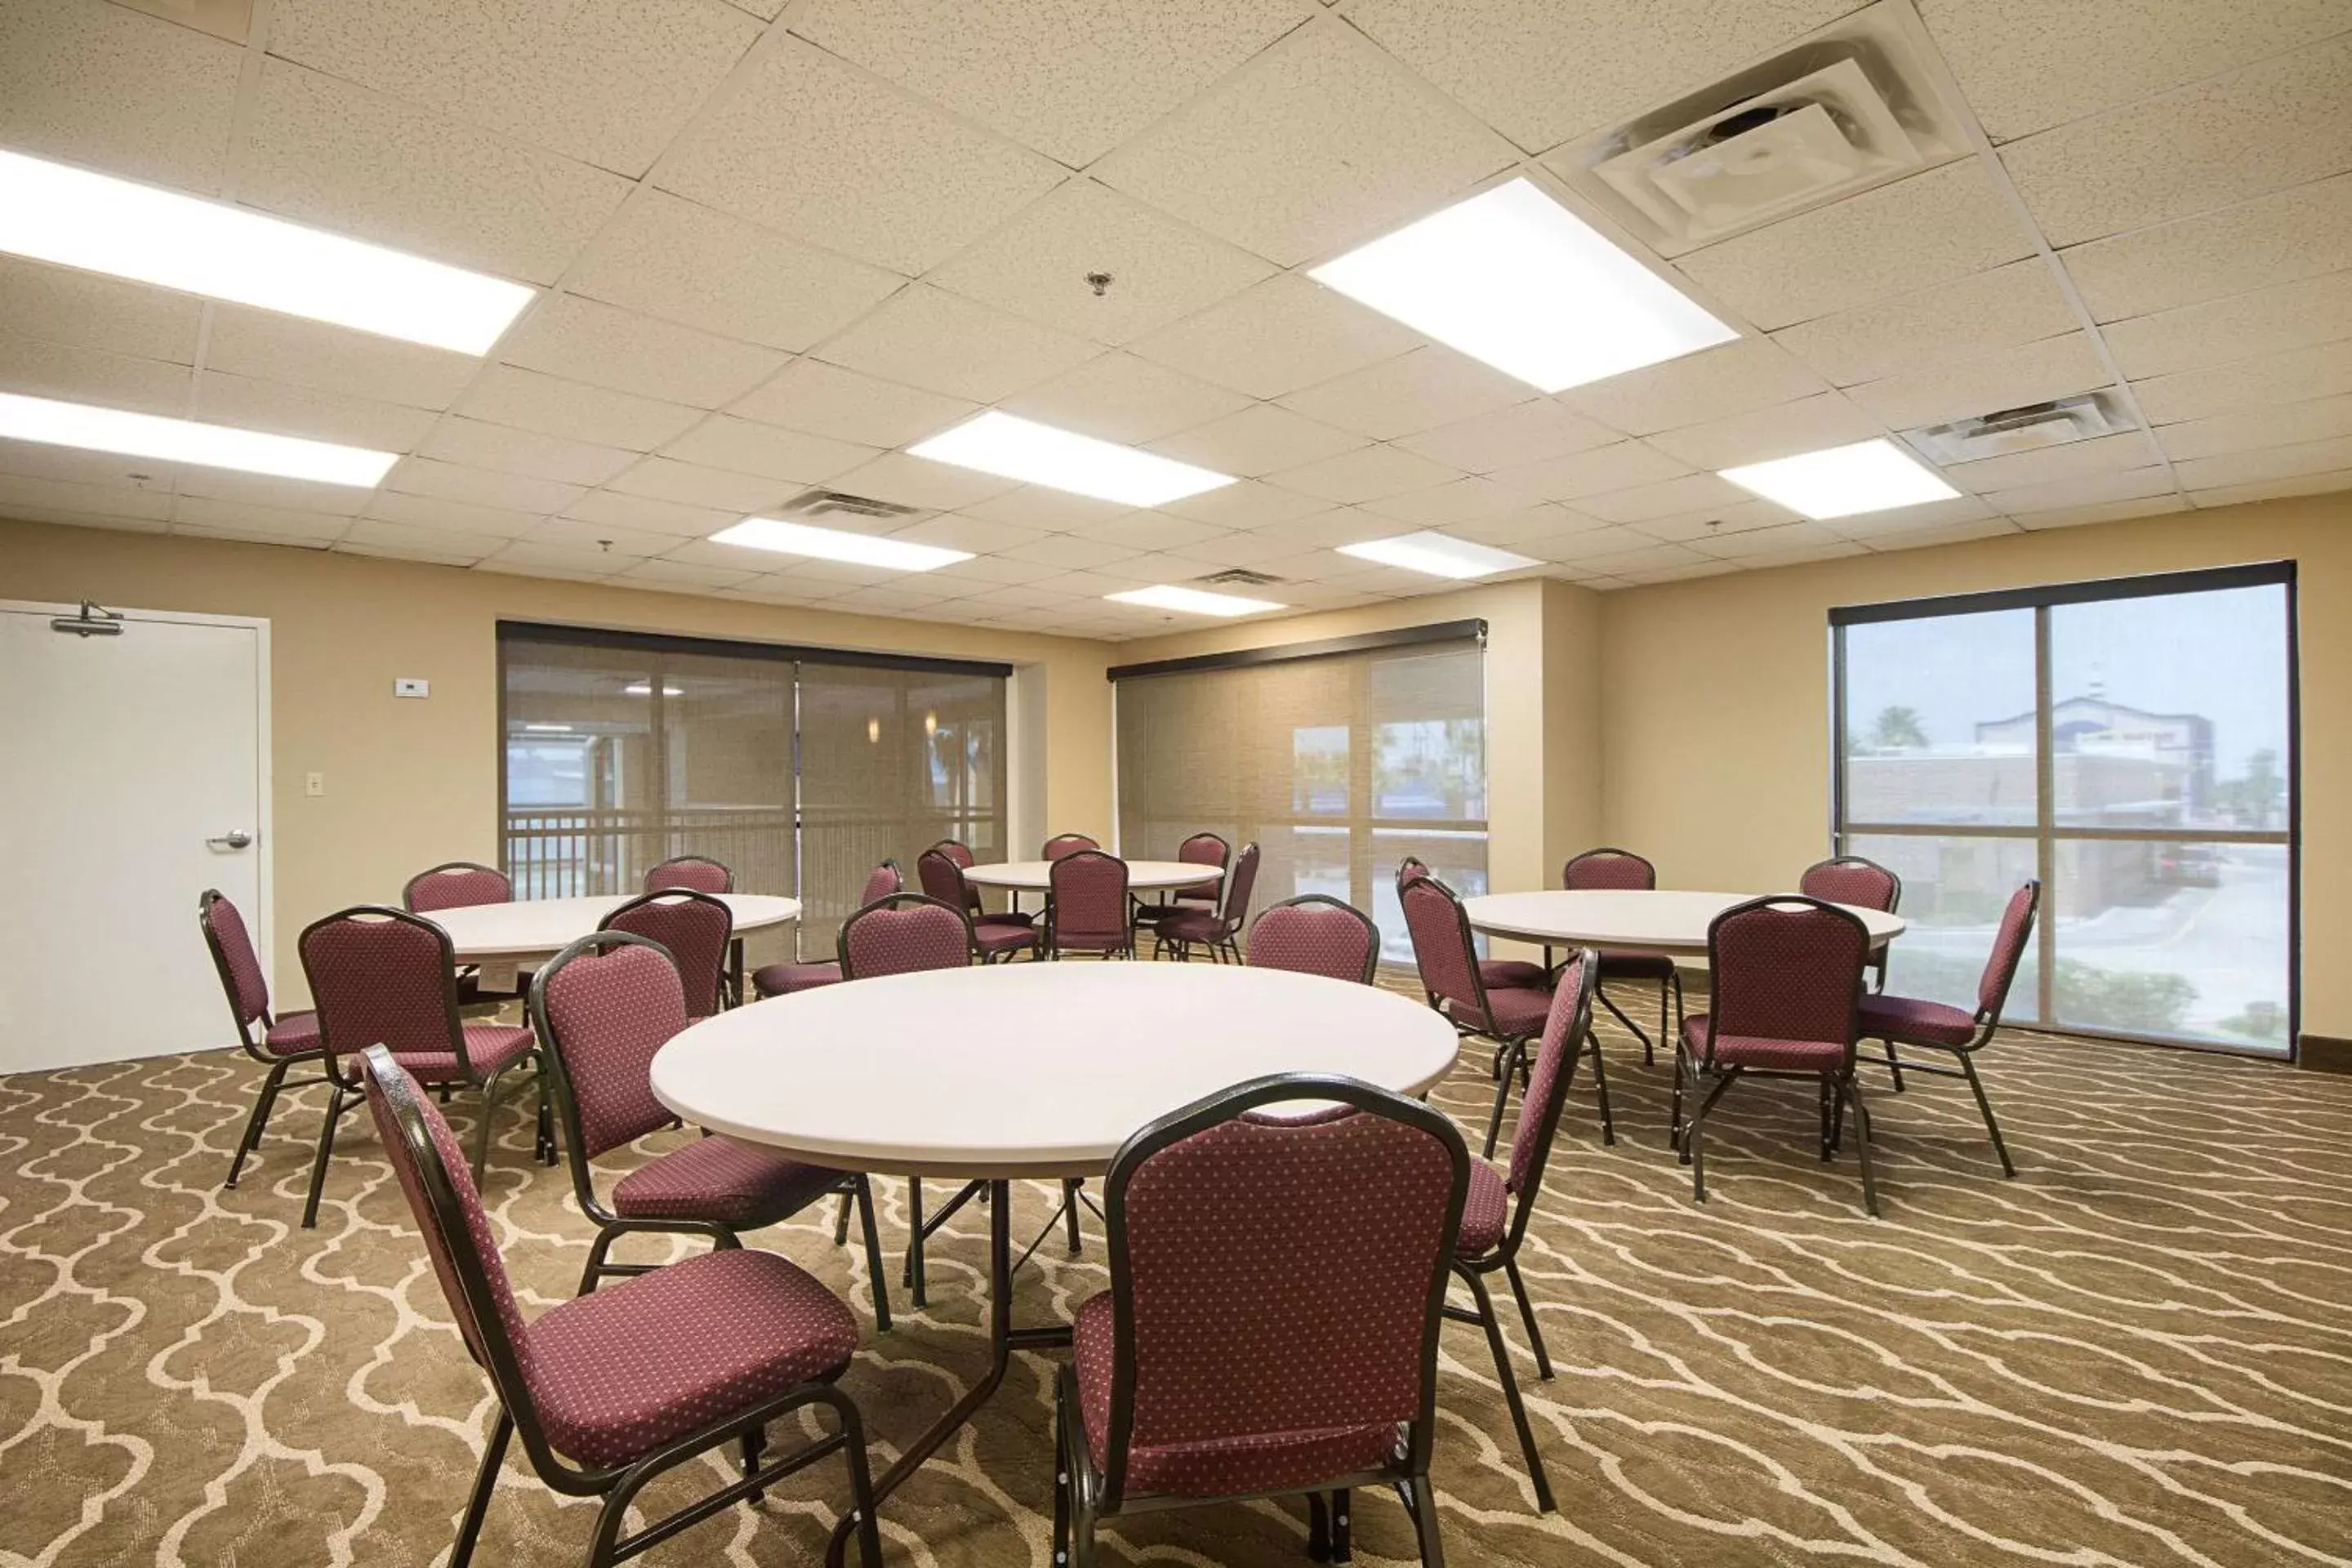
2140 1351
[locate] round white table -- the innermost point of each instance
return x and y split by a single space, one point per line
1669 921
532 929
1142 875
1021 1070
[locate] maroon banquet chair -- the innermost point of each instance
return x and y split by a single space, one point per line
1063 845
1086 908
385 977
961 853
1200 849
602 1007
1511 1016
1622 870
695 873
1785 989
784 979
1932 1025
1862 883
695 929
1316 933
463 885
1494 1216
1276 1289
996 938
277 1044
611 1390
1498 972
1220 930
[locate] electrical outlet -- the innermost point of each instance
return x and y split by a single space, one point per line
409 686
314 783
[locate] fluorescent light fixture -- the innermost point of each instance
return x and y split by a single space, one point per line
549 729
837 544
1839 481
1438 554
645 688
1038 454
187 441
1512 278
1193 601
50 212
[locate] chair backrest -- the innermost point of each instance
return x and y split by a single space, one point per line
381 977
695 927
2008 951
1239 884
698 873
1316 933
881 882
899 933
1205 849
1608 868
1852 879
1785 967
1565 1029
961 855
955 849
1276 1276
1442 948
1412 868
239 966
603 1006
456 885
1063 845
943 878
1089 891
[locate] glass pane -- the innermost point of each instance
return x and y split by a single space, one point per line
2171 712
1954 891
2173 939
1457 858
1940 724
1428 738
582 766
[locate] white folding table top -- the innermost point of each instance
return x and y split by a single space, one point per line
1665 921
541 928
1035 875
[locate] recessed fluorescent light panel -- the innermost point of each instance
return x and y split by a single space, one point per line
187 441
75 218
1193 601
1437 554
837 544
1017 448
1839 481
1512 278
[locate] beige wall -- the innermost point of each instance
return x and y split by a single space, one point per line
409 783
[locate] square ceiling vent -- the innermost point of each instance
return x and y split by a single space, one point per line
2027 429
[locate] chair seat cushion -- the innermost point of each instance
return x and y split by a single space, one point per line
1757 1051
1512 972
1215 1467
1486 1213
295 1035
995 934
489 1047
1628 964
1915 1020
736 1184
1517 1009
784 979
1191 925
643 1362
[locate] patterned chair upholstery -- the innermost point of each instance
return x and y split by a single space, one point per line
456 885
1511 1017
1622 871
1063 845
1935 1026
1786 982
961 853
277 1044
1271 1326
602 1007
385 977
1218 930
1200 849
1496 971
997 938
1862 883
616 1388
784 979
1317 934
1088 912
696 928
695 873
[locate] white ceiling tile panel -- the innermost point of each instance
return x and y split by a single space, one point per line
1070 552
2274 490
2053 367
650 516
992 569
104 87
2129 484
918 481
1644 557
1752 373
1045 509
455 517
283 410
810 145
2268 463
1953 533
1252 503
407 541
667 479
2101 455
1873 526
88 520
1524 433
483 487
1301 537
1613 468
22 491
1258 440
1775 541
1364 475
1514 530
1668 497
683 575
943 342
555 549
2323 369
958 531
583 340
1321 142
507 394
1457 501
481 446
1677 574
1287 333
2252 428
265 490
290 538
742 446
1708 522
1807 424
87 311
845 405
258 522
2099 511
1412 393
1150 531
326 152
2014 304
272 347
1118 397
38 459
35 369
2291 234
1223 549
2264 321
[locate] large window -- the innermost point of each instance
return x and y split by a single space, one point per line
799 769
1338 763
2132 744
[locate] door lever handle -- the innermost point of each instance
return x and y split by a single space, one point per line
235 839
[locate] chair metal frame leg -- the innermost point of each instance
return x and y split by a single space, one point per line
1850 1088
339 1100
486 1481
1420 1501
263 1101
1639 1033
1514 1053
1484 1315
862 1193
1528 1316
1601 1086
1984 1103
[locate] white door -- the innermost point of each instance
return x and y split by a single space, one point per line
133 775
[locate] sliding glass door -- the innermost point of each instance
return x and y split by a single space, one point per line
2130 744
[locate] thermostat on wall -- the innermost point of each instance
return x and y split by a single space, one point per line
409 686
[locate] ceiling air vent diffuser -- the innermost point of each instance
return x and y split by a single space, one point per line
1239 577
2028 428
811 505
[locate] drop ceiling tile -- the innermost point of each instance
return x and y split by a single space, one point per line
88 520
87 311
1708 522
1949 533
2128 484
1513 530
948 344
1224 550
2268 463
1320 532
667 479
1258 440
826 400
535 557
284 410
615 545
607 81
810 145
507 394
32 368
271 347
1752 373
481 446
2018 304
2274 490
1871 527
684 573
1149 531
254 530
264 489
583 340
886 598
650 516
961 532
918 481
1447 505
1321 142
2253 429
2298 233
992 569
327 152
1136 572
1619 467
2051 368
1746 543
1364 475
1284 333
1070 552
1249 504
1656 576
1046 510
743 446
1118 397
2262 321
2322 370
38 459
270 523
22 491
1807 424
2100 511
1524 433
1412 393
407 541
2261 128
451 516
1915 234
1668 497
1647 556
103 86
840 575
2101 455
